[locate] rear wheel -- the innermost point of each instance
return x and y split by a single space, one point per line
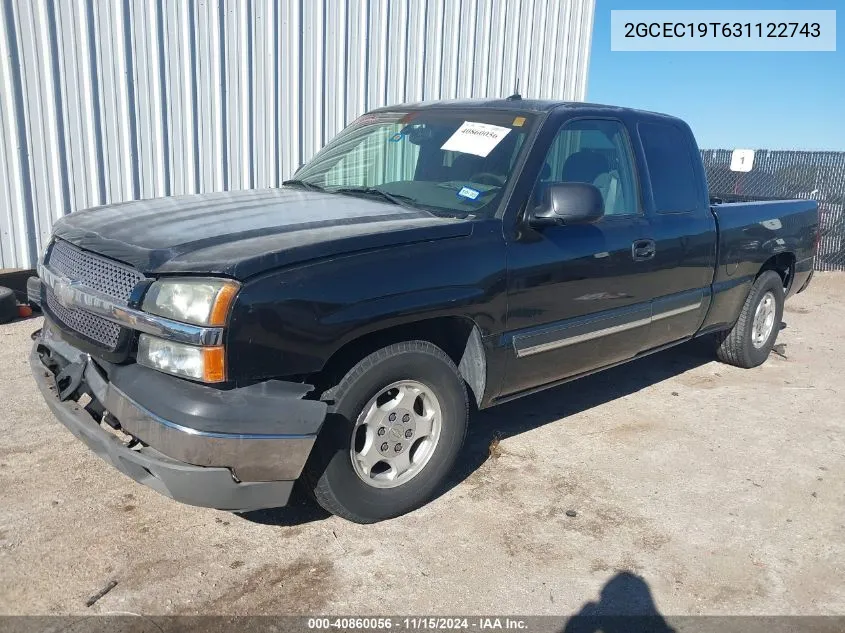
752 337
393 432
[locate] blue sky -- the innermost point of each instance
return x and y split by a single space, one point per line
750 100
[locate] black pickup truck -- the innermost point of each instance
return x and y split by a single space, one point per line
219 347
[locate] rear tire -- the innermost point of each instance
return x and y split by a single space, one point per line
748 343
414 381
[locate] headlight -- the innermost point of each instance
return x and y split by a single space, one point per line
197 301
199 363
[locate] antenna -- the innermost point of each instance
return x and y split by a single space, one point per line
515 96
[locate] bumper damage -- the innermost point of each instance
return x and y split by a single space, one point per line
236 450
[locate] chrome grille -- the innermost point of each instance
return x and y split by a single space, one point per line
94 327
97 273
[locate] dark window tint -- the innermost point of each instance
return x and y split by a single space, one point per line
667 152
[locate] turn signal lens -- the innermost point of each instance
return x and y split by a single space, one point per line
214 364
220 309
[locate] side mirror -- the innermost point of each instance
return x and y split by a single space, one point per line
569 203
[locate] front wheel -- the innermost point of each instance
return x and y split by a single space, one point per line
752 337
392 434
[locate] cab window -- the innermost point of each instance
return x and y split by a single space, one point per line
597 152
668 156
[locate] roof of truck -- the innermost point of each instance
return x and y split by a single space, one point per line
517 105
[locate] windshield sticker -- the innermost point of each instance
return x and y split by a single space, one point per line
396 137
469 193
475 138
519 121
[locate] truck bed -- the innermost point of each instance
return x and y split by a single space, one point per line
749 235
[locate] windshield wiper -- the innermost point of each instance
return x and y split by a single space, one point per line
310 186
402 201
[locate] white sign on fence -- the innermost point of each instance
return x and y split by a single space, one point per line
742 160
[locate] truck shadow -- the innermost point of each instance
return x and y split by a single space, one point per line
552 405
625 605
300 510
526 414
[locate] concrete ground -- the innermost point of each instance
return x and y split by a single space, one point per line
721 490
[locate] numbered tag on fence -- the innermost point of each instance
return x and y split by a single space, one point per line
742 160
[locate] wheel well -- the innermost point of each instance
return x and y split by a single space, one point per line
458 337
783 264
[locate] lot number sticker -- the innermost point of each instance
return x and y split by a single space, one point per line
475 138
742 160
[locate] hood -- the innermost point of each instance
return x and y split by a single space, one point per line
244 233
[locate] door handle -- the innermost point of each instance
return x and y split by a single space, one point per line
642 250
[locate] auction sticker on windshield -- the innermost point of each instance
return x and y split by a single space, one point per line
475 138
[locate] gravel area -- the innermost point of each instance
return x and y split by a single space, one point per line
702 487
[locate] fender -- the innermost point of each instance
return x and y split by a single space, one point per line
292 321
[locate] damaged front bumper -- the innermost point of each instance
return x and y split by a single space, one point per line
239 449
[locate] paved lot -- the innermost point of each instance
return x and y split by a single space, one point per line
721 489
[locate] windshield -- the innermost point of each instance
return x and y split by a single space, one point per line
454 162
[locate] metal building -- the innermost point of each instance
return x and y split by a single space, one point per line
110 100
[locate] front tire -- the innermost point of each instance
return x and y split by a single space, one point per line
752 337
392 435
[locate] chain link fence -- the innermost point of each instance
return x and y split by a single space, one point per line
789 174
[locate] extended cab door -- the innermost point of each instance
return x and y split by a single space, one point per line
579 296
677 208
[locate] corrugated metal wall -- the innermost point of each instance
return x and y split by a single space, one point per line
110 100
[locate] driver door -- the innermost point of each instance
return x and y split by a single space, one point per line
578 298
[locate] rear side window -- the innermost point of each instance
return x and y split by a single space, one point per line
673 181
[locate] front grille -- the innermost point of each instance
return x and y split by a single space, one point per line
108 277
92 326
98 273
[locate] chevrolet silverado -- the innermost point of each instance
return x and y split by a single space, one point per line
219 347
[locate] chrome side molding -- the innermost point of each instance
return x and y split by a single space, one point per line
580 338
589 328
